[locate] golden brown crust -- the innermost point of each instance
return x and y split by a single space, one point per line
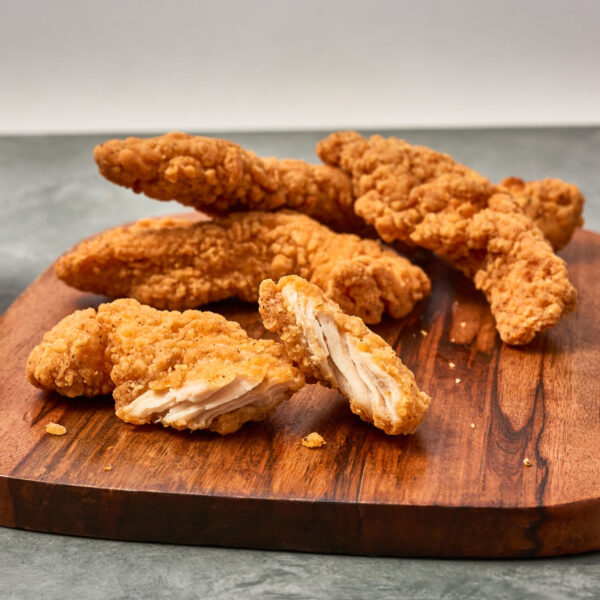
280 315
313 440
129 348
554 205
72 359
424 198
175 264
218 176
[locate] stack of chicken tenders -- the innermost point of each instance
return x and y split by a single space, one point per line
293 223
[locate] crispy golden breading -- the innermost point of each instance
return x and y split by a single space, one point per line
56 429
554 205
341 351
71 359
192 370
313 440
177 264
422 197
394 167
218 176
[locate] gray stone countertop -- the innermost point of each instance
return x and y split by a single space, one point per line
51 196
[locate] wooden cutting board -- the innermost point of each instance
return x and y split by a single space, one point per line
457 488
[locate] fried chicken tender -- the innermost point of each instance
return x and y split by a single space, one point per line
218 176
190 370
424 198
177 264
342 352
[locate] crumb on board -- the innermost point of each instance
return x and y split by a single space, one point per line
423 332
527 462
108 468
463 324
451 365
55 429
457 380
313 440
472 425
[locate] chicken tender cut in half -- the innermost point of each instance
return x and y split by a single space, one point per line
178 264
342 352
218 176
190 370
424 198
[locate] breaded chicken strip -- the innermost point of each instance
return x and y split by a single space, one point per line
424 198
177 264
341 351
190 370
218 176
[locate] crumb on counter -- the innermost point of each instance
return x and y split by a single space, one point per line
457 380
451 365
55 429
108 468
527 462
313 440
423 333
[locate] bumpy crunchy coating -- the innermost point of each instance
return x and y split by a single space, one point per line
72 359
178 264
218 176
191 370
421 197
554 205
341 351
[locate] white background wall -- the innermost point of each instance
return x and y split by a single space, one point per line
151 65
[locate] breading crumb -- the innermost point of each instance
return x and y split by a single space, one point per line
457 380
55 429
451 365
423 332
313 440
472 425
108 468
527 462
463 324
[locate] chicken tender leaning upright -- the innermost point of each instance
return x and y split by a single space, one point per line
341 351
190 370
218 176
424 198
177 264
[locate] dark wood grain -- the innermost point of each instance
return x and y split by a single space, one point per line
450 490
